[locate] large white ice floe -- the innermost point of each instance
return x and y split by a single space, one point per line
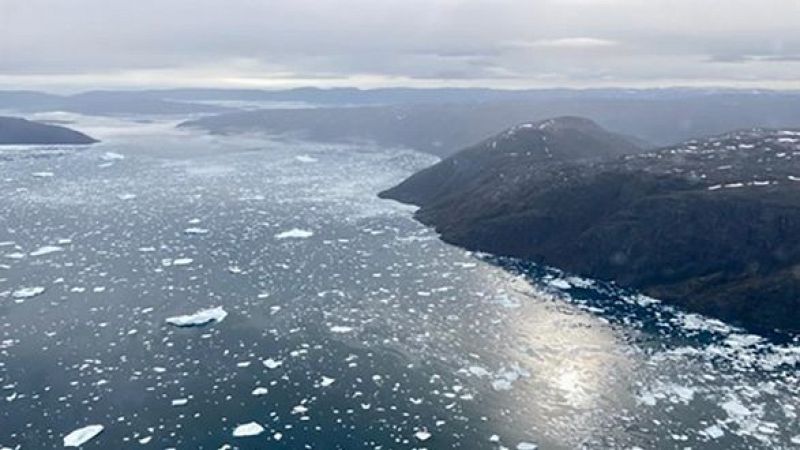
195 230
248 429
294 233
271 363
182 261
46 250
422 435
28 292
82 435
199 318
259 391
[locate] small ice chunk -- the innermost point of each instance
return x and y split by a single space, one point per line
182 261
195 230
111 156
259 391
714 432
306 159
43 174
180 402
422 435
28 292
341 329
272 364
248 429
46 250
82 435
478 371
199 318
526 446
294 233
559 283
735 408
126 196
326 381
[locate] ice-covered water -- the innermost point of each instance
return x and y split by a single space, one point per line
346 323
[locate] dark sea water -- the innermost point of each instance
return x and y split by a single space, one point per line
347 324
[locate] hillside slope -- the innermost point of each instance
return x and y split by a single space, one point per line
710 224
14 130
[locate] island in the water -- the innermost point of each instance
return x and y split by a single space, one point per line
18 131
710 224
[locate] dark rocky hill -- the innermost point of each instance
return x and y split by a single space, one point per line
710 224
511 158
14 130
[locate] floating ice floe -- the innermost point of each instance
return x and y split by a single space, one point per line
527 446
180 402
299 409
422 435
326 381
82 435
505 378
559 283
735 408
713 432
340 329
182 261
306 159
46 250
195 230
671 392
270 363
248 429
43 174
478 371
259 391
199 318
111 156
28 292
294 233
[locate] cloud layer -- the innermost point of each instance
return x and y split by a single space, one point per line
507 43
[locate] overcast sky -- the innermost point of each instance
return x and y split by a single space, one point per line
81 44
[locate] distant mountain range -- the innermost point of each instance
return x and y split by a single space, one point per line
709 224
14 130
443 126
437 121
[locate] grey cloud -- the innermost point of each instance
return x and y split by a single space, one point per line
544 41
